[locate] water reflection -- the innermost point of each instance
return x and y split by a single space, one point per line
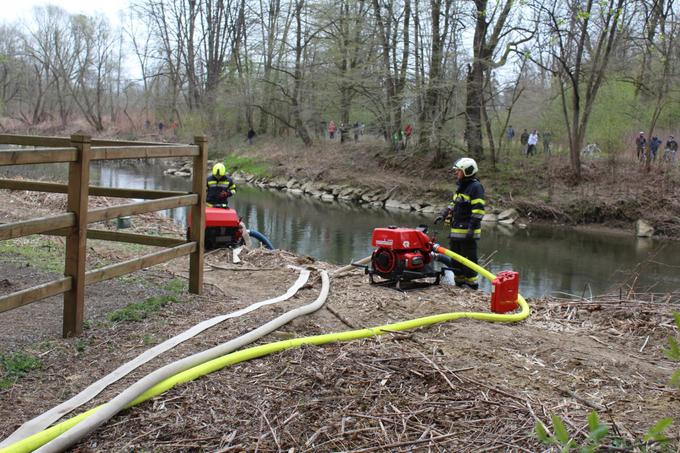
549 259
334 232
580 262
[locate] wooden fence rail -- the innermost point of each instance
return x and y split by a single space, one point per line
46 141
38 156
79 151
95 191
36 226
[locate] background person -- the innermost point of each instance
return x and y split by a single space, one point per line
671 149
547 140
654 147
524 139
641 144
510 134
331 129
532 141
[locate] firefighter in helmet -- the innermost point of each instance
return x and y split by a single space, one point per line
465 214
220 186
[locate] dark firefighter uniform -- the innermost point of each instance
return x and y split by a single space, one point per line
219 190
465 213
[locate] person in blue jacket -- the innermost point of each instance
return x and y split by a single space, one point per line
654 147
220 186
465 213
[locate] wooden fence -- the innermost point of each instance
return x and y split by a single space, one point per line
79 151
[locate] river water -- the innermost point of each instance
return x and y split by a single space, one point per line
550 260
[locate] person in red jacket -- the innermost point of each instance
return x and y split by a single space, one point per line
408 130
331 129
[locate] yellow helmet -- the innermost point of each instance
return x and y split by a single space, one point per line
219 170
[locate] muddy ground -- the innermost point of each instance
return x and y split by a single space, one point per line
459 386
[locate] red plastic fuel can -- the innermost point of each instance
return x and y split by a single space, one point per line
504 292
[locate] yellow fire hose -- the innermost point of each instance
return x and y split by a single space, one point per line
37 440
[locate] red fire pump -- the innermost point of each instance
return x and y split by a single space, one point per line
222 228
402 254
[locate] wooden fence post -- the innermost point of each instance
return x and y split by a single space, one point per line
78 186
198 215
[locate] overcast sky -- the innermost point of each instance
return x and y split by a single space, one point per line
12 10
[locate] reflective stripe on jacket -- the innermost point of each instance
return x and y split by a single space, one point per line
216 187
467 207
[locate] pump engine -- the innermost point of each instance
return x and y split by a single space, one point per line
403 254
223 228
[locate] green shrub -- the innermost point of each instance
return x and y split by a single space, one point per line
598 437
41 253
245 164
141 310
81 345
15 366
561 438
176 286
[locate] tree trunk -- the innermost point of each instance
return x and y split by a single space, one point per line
473 110
300 126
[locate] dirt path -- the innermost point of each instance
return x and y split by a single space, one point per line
459 386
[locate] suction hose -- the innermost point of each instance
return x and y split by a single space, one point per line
262 238
466 262
43 437
44 420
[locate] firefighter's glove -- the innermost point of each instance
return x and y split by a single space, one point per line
223 195
438 219
470 234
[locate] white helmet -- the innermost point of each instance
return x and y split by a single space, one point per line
467 165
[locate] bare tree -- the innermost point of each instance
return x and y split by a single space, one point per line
661 55
580 37
275 24
442 78
296 97
493 25
394 35
140 38
344 28
39 47
652 15
89 78
511 98
11 65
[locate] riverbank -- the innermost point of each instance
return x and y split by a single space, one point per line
459 386
615 193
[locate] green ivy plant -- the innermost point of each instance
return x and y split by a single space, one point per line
598 432
598 436
673 352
